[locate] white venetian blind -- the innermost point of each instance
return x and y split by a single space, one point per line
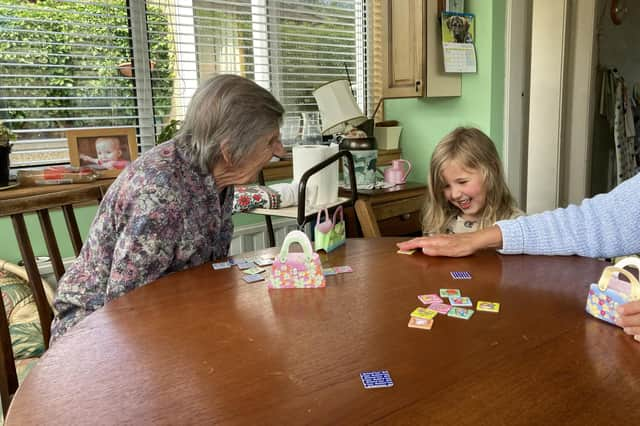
59 70
288 47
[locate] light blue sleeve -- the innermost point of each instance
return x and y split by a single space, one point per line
607 225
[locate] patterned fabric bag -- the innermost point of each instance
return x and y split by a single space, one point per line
296 270
329 235
611 291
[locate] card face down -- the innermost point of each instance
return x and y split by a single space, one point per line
376 379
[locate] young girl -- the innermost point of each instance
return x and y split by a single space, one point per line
467 191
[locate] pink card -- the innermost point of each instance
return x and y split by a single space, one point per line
428 299
441 308
342 269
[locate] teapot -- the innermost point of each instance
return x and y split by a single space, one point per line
396 174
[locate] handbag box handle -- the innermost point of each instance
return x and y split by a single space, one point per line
613 272
300 238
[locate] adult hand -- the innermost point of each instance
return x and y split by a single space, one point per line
457 245
630 318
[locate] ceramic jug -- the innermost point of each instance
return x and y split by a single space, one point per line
396 174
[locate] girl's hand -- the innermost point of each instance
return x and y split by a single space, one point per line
630 318
457 245
441 245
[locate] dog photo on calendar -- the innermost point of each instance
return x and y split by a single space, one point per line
458 27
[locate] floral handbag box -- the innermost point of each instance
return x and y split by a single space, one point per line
610 291
296 270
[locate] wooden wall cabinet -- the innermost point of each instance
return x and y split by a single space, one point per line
412 51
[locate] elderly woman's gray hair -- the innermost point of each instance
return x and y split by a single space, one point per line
227 109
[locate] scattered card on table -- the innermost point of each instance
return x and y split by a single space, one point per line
328 271
422 323
425 313
253 271
441 308
221 265
376 379
461 313
253 278
449 292
461 275
261 261
245 265
342 269
488 306
460 301
428 299
409 252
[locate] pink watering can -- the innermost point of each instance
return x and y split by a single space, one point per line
396 174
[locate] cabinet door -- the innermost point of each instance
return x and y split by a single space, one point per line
403 46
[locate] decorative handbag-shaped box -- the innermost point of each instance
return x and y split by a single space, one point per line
329 235
611 291
296 270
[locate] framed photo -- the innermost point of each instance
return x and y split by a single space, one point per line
107 151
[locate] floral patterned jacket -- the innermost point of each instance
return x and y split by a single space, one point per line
159 216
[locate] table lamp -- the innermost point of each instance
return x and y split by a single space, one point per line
338 108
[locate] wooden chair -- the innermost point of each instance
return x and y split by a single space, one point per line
14 204
396 218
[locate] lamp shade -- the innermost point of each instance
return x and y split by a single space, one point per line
337 107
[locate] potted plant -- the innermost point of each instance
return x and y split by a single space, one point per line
6 136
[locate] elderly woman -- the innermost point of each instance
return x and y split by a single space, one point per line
171 209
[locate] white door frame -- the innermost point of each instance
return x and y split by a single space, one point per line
548 135
516 96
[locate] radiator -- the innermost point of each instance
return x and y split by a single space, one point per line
254 237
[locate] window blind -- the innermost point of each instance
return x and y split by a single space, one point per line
76 64
59 71
288 47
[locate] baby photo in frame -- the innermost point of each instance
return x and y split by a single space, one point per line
107 151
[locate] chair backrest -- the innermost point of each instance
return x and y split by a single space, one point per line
15 207
396 218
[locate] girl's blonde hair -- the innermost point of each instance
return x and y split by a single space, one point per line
475 151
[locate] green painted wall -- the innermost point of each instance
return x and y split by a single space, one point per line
426 120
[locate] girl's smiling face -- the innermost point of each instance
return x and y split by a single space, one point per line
464 189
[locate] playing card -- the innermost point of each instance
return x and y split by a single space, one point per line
488 306
428 299
221 265
245 265
261 261
461 275
461 313
460 301
425 313
376 379
342 269
449 292
422 323
253 278
254 270
441 308
409 252
329 271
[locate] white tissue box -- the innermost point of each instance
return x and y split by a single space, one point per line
387 137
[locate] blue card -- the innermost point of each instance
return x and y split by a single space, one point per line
253 278
461 275
376 379
221 265
245 265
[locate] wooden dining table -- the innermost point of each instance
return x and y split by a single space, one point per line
202 346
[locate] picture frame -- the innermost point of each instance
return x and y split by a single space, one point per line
106 150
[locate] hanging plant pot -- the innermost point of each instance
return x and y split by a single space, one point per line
126 68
